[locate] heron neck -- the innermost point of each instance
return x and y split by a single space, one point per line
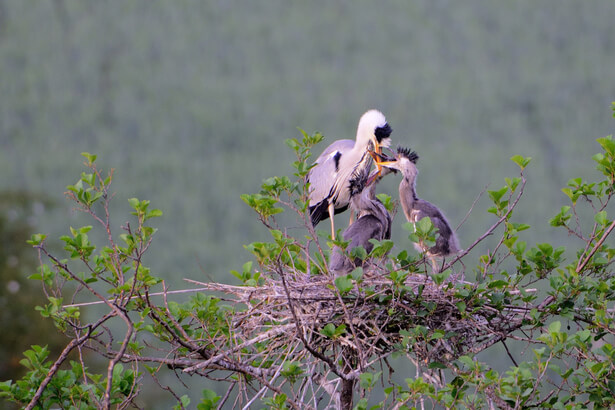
367 204
407 196
408 184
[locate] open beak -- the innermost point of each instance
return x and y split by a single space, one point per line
388 162
376 157
379 158
390 165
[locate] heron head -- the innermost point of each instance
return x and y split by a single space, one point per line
404 158
358 181
373 127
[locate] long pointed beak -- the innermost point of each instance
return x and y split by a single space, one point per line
376 156
380 159
388 163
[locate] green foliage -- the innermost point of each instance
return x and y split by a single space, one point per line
277 402
344 284
292 370
247 277
209 400
331 331
66 389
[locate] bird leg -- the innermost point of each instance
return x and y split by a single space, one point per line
434 264
331 209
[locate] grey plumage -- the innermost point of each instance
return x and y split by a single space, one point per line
329 177
416 208
374 222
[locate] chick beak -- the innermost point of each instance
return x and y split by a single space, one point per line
372 178
381 160
388 162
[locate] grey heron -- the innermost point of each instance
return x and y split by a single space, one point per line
374 221
330 176
416 209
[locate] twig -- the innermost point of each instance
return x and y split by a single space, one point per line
314 352
263 336
56 365
492 228
54 368
480 194
508 352
139 296
129 333
595 248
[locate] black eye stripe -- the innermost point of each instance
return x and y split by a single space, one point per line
383 132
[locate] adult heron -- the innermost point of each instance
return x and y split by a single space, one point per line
374 221
416 208
330 176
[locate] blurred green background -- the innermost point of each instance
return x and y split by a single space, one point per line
190 102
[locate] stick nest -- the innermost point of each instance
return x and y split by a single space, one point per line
427 320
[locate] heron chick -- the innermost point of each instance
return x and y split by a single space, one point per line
416 208
374 222
330 176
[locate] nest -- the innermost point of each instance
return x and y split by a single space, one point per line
428 321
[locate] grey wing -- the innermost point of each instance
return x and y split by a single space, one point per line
322 175
358 234
365 228
339 263
446 241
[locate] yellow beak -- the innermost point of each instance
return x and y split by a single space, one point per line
376 155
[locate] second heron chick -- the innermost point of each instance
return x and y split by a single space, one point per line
374 222
416 208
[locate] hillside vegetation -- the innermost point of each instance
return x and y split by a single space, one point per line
190 102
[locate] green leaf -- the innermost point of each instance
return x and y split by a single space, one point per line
292 143
608 145
36 239
601 218
154 213
521 161
134 203
496 196
467 361
424 225
497 284
357 273
386 200
561 218
358 252
208 401
344 284
91 158
328 330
